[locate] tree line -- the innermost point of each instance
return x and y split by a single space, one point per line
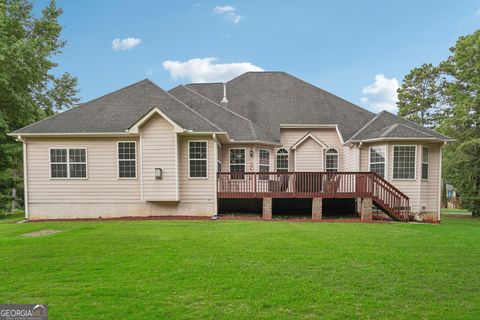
445 97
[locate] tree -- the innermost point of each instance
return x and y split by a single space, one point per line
418 97
461 83
29 91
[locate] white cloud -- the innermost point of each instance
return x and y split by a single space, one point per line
206 70
381 94
229 13
125 44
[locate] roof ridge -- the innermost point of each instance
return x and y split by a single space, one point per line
409 127
390 129
186 106
327 92
416 124
366 125
250 122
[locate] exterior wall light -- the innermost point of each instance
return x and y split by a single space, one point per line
251 152
158 173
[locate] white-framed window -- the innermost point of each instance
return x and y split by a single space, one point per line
198 159
68 163
376 160
425 155
331 160
237 162
282 160
404 162
127 159
263 160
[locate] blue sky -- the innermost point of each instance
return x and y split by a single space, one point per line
358 50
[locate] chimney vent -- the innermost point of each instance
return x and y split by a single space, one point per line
224 100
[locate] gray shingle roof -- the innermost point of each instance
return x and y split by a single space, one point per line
388 125
238 127
119 110
273 98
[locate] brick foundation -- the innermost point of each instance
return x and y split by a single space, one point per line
267 208
317 209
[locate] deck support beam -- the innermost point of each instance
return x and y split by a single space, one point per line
317 209
267 209
366 210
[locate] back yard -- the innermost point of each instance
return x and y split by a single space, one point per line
244 269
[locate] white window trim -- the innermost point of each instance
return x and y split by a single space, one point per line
229 162
68 164
276 159
325 160
136 162
393 162
269 159
385 174
427 163
188 157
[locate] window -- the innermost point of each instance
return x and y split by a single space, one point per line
127 160
377 160
331 160
197 159
68 163
404 162
264 163
282 160
237 163
425 155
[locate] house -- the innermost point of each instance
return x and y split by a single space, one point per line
269 136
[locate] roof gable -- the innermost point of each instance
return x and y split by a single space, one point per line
309 136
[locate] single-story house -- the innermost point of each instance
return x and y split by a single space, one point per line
263 136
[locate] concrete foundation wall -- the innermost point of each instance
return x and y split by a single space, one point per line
113 210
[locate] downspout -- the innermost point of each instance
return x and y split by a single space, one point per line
25 176
215 170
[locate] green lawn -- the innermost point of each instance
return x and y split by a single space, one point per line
244 269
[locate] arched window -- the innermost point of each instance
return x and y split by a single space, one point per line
282 160
331 160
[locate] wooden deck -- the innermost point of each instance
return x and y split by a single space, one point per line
315 185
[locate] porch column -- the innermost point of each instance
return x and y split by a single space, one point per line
267 208
317 209
366 210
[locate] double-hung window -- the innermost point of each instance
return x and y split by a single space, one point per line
377 160
127 160
331 160
68 163
264 163
237 163
282 160
425 154
197 159
404 159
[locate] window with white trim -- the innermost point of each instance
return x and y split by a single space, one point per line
425 155
377 157
264 163
68 163
237 163
282 160
127 160
404 158
197 159
331 160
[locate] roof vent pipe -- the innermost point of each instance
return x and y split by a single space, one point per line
224 100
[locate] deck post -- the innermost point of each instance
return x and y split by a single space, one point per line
267 208
366 210
317 209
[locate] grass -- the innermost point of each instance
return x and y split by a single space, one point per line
244 269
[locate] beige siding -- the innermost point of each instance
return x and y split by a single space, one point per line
288 137
251 162
349 158
158 144
102 184
196 189
309 156
421 193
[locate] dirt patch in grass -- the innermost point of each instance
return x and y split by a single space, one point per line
40 233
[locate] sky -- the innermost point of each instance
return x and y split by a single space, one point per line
358 50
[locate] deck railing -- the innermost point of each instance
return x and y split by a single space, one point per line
313 185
